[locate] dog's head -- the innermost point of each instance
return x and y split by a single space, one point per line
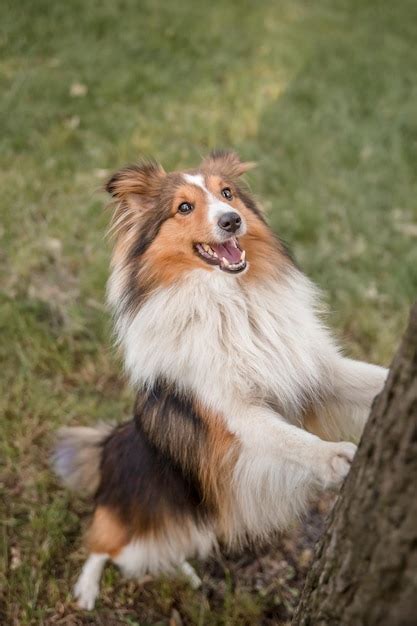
168 224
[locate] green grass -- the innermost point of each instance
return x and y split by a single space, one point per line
322 94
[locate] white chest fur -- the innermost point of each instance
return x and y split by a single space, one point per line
230 344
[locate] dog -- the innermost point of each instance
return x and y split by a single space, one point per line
245 404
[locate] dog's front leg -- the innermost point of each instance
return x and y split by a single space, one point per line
343 411
268 440
278 468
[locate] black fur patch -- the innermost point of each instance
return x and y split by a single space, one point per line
250 203
147 233
172 424
149 469
135 293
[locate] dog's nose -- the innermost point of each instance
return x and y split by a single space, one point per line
230 222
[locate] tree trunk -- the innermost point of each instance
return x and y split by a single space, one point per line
365 570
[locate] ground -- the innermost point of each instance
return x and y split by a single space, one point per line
323 96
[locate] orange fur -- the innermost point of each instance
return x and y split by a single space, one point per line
171 254
106 534
263 251
217 465
134 190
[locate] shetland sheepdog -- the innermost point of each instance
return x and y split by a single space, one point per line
244 402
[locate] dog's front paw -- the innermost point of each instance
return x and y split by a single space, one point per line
333 462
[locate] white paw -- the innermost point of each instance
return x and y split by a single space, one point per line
191 575
86 593
334 461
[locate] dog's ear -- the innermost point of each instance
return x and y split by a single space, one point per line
134 190
227 164
137 185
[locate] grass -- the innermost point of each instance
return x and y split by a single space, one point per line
323 95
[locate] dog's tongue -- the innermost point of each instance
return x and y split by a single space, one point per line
228 251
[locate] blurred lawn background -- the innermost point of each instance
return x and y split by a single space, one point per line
323 95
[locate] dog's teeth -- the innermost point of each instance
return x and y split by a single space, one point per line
225 262
206 247
243 256
234 243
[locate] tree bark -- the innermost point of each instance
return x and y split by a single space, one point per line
365 570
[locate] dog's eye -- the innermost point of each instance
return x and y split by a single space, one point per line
227 193
185 207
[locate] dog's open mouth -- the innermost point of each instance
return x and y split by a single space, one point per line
227 255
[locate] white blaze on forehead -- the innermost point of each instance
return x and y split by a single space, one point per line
216 207
196 179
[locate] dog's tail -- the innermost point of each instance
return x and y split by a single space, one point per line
76 457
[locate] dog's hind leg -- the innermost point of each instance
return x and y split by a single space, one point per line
88 584
105 538
191 575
